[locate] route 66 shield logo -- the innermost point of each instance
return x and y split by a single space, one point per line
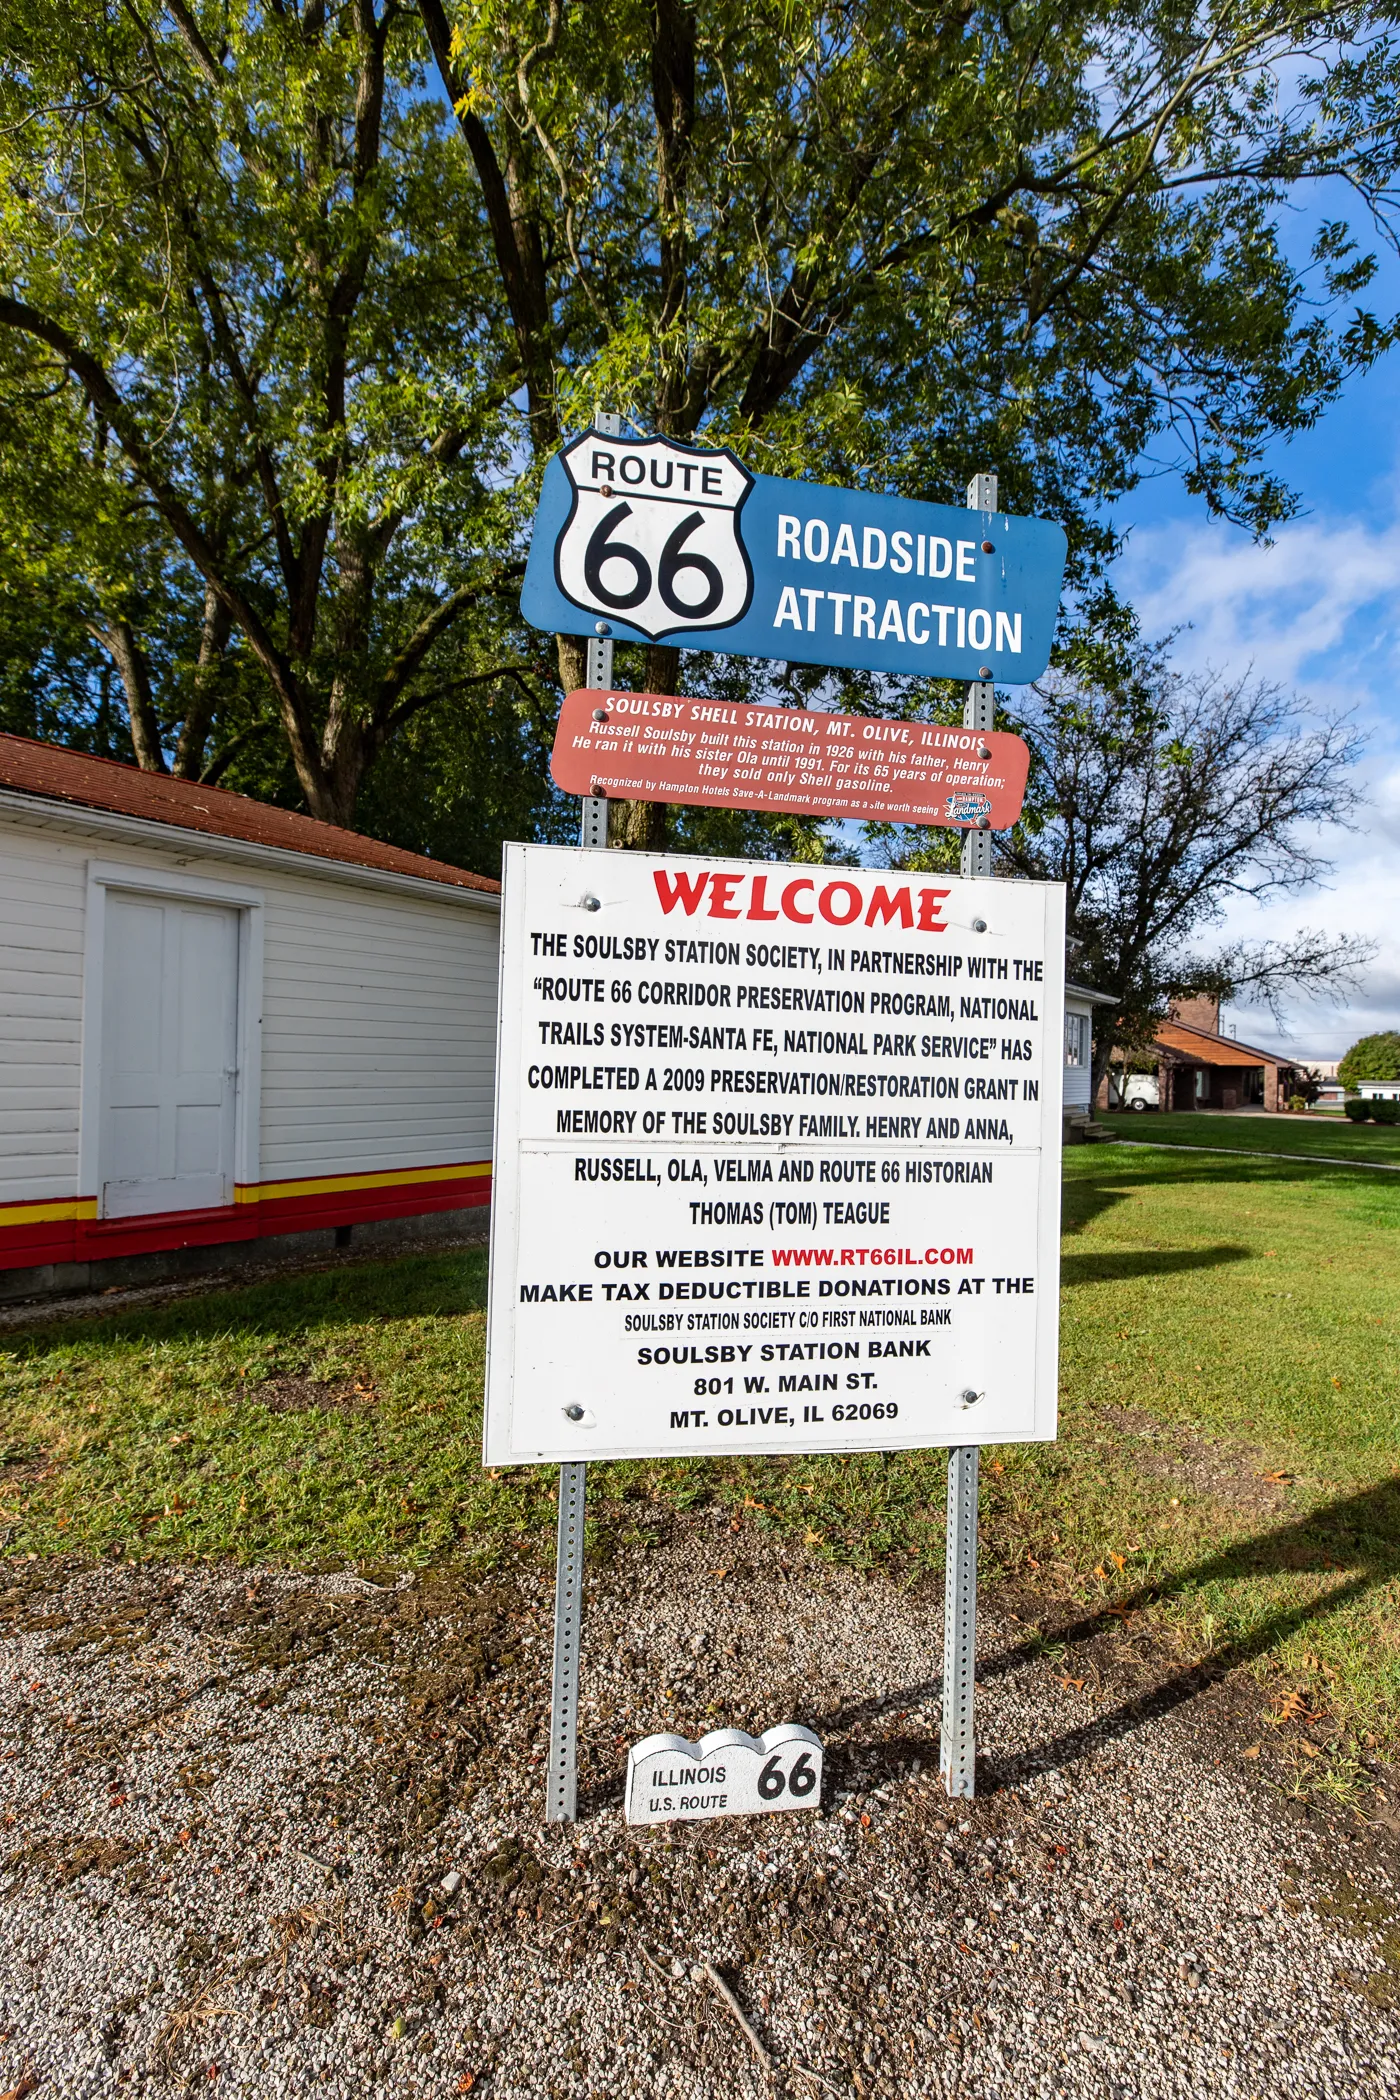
653 537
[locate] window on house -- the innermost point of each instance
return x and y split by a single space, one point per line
1076 1039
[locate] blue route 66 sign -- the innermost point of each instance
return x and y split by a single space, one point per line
648 539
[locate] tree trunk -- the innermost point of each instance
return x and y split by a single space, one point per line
643 826
118 638
1102 1059
213 642
573 661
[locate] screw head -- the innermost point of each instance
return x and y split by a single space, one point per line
988 546
983 751
591 904
606 489
985 672
600 714
575 1413
979 926
603 627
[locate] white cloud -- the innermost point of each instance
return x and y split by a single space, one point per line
1319 611
1320 608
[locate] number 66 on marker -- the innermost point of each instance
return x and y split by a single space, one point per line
727 1773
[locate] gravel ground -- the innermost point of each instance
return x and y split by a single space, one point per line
279 1834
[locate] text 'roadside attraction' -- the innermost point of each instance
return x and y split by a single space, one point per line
645 539
777 1159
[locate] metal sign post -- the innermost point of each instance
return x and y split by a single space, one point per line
958 1737
562 1786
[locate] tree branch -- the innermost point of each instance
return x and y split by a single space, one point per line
92 376
522 278
427 632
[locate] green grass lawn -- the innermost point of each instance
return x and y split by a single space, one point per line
1318 1134
1227 1458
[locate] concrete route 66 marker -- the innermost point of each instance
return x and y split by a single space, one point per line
727 1773
652 535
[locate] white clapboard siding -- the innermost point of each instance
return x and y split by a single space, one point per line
401 1010
1077 1077
379 1009
41 1014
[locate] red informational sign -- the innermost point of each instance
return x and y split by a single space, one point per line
654 747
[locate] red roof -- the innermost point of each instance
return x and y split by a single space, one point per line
31 768
1202 1049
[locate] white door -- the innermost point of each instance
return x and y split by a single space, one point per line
169 1055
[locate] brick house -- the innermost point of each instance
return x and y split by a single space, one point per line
1198 1067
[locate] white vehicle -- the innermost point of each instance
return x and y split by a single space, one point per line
1140 1091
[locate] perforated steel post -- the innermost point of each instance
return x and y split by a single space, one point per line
958 1742
561 1805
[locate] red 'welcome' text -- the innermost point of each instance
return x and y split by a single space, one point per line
802 901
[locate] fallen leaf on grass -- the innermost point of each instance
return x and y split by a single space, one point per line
1077 1682
1293 1706
1252 1751
1277 1479
27 2085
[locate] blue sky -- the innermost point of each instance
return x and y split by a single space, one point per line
1318 610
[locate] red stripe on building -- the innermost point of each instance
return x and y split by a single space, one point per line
30 1243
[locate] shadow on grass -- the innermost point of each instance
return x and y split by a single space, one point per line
1360 1534
423 1286
1357 1536
1116 1175
1166 1261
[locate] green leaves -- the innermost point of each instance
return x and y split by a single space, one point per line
348 273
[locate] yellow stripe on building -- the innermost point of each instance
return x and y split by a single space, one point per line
336 1184
48 1213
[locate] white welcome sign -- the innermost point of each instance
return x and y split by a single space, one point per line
777 1159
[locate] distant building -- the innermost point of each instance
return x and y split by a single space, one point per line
1079 1055
1198 1067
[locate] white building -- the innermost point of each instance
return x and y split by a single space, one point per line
1079 1037
223 1022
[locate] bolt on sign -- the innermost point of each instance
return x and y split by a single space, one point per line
777 1159
646 539
660 748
